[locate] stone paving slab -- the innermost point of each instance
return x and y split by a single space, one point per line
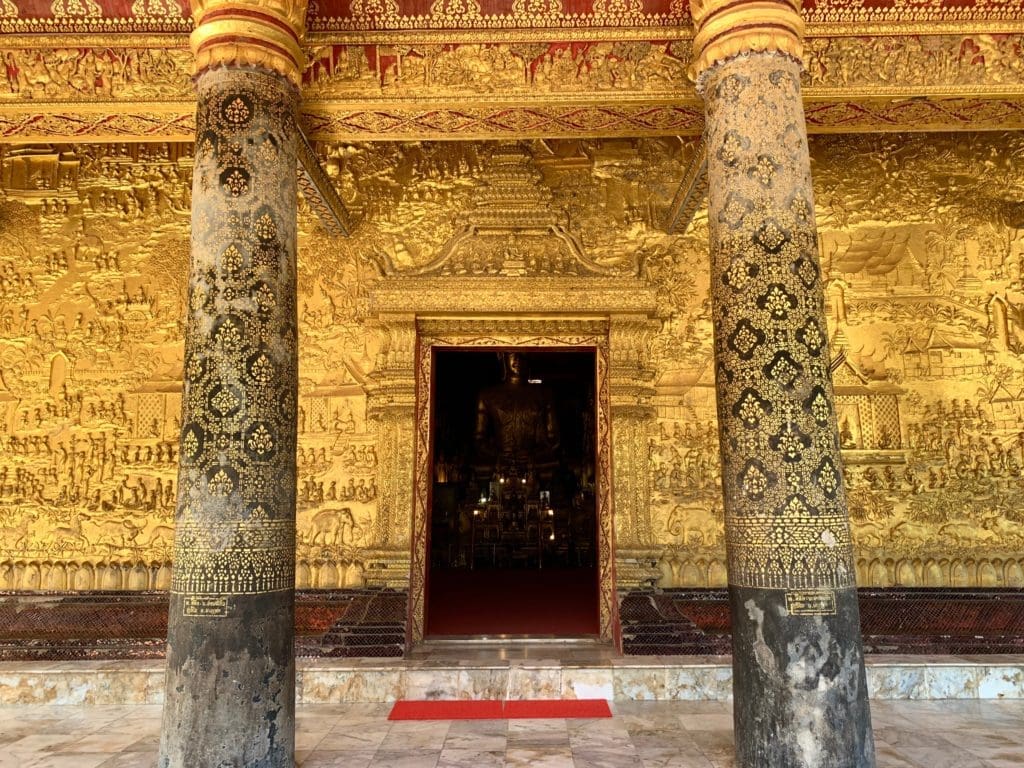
679 734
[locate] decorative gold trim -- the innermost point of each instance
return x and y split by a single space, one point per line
523 77
727 28
29 33
903 28
410 121
18 40
507 120
261 33
319 192
691 193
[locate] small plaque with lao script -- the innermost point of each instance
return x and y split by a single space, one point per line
811 602
206 605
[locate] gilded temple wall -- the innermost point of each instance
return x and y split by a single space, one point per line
921 243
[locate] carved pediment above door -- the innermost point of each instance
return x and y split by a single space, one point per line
514 252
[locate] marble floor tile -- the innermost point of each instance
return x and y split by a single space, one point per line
410 758
334 759
598 734
471 758
672 757
887 756
40 742
717 746
100 742
605 758
545 739
677 738
131 760
687 734
997 762
908 738
308 740
479 728
67 760
318 722
943 757
353 739
538 757
412 735
712 722
146 743
480 741
996 752
982 737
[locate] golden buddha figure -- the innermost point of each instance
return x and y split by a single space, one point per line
516 421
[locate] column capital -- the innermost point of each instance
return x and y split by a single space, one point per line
260 33
727 28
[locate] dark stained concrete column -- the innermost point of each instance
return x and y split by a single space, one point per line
230 692
800 694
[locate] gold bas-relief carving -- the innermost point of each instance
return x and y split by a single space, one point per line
390 19
626 68
137 87
922 254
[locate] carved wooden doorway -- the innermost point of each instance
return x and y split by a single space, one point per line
480 547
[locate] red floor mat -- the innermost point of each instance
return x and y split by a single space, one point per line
557 708
497 710
446 710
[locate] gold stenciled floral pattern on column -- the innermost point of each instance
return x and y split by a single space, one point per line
235 528
925 301
786 521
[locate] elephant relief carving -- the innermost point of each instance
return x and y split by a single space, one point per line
333 527
696 525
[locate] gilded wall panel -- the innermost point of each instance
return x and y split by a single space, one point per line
922 242
138 86
154 73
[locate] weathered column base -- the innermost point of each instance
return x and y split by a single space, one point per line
800 687
215 687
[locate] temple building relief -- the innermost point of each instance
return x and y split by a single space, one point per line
922 257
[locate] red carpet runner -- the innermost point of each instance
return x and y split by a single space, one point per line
499 710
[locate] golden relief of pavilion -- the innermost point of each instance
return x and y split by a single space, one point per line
921 245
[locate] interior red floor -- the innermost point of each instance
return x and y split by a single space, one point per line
512 602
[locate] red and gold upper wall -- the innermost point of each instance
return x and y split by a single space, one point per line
501 17
120 70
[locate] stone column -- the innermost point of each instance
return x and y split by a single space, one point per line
800 695
230 691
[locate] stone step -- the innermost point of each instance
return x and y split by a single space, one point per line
633 678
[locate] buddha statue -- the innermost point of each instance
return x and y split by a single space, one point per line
516 422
